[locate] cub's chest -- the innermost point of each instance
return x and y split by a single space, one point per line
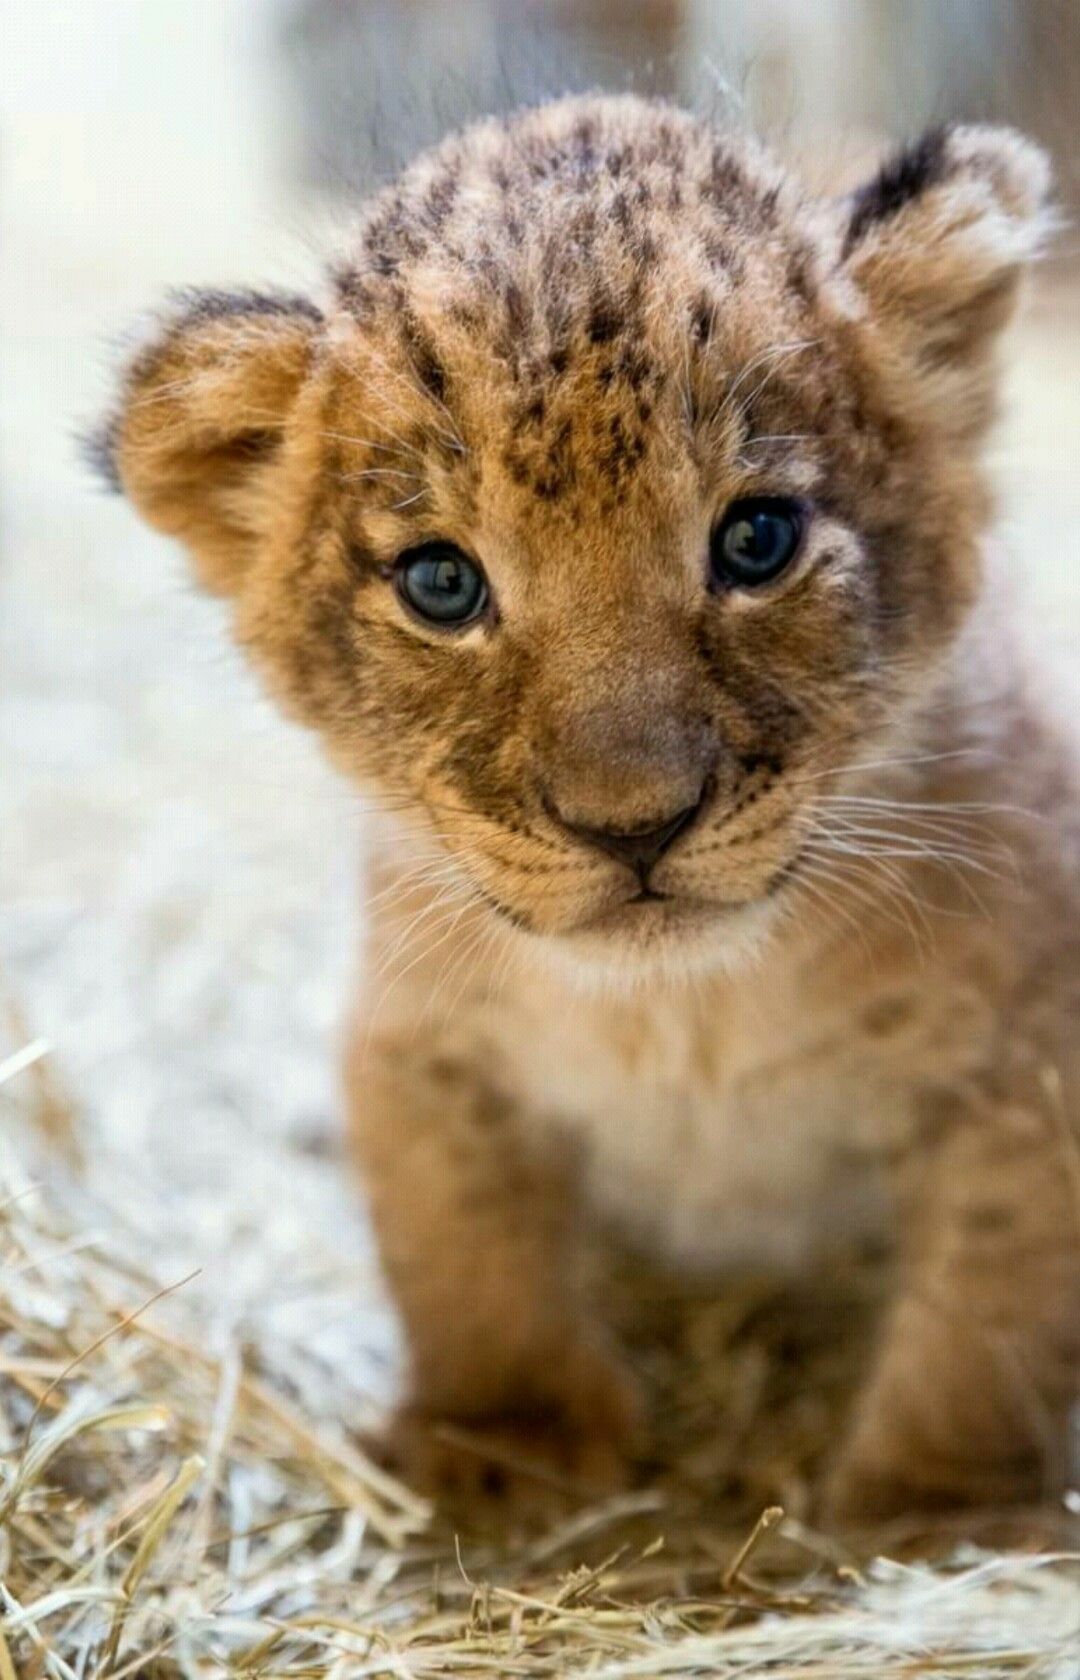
726 1124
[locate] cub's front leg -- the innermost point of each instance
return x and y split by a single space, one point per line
980 1368
512 1391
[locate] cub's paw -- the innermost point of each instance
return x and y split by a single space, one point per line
888 1473
527 1464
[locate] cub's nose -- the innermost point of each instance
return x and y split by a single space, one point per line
643 848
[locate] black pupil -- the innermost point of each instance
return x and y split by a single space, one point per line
443 586
442 577
755 543
759 538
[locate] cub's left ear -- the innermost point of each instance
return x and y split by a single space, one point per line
203 408
937 242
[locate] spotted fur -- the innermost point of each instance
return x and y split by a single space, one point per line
566 341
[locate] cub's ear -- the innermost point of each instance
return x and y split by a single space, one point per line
938 240
203 408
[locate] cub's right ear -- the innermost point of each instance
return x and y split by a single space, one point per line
203 408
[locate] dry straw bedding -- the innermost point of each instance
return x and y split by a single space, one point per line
168 1506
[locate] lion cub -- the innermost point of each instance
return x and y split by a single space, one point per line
618 519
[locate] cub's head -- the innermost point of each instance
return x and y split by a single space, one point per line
617 496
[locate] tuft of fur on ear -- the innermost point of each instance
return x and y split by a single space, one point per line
203 408
938 240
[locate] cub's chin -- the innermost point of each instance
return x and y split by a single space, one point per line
665 938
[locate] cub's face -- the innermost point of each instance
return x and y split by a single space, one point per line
621 499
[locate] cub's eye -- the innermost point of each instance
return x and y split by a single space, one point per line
754 541
441 584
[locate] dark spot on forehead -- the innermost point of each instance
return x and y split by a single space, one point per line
701 318
625 449
638 368
768 203
392 237
468 313
725 178
581 227
542 461
668 144
423 356
722 253
353 289
533 411
605 321
514 303
799 273
585 135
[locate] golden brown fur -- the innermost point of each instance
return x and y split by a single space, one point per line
566 343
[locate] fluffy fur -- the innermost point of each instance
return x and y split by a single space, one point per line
566 342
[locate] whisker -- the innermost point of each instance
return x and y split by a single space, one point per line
888 849
766 439
427 950
983 857
400 445
413 880
948 806
381 472
467 958
773 359
424 394
890 844
406 936
812 883
886 764
890 897
500 973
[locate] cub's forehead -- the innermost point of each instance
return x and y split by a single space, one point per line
571 214
580 283
623 160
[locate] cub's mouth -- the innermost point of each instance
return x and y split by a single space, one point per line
654 912
610 904
670 929
669 910
669 935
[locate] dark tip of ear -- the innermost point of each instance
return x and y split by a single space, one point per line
96 448
902 178
193 304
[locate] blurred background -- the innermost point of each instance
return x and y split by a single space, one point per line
177 868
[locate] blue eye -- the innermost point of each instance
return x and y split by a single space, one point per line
754 541
441 585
